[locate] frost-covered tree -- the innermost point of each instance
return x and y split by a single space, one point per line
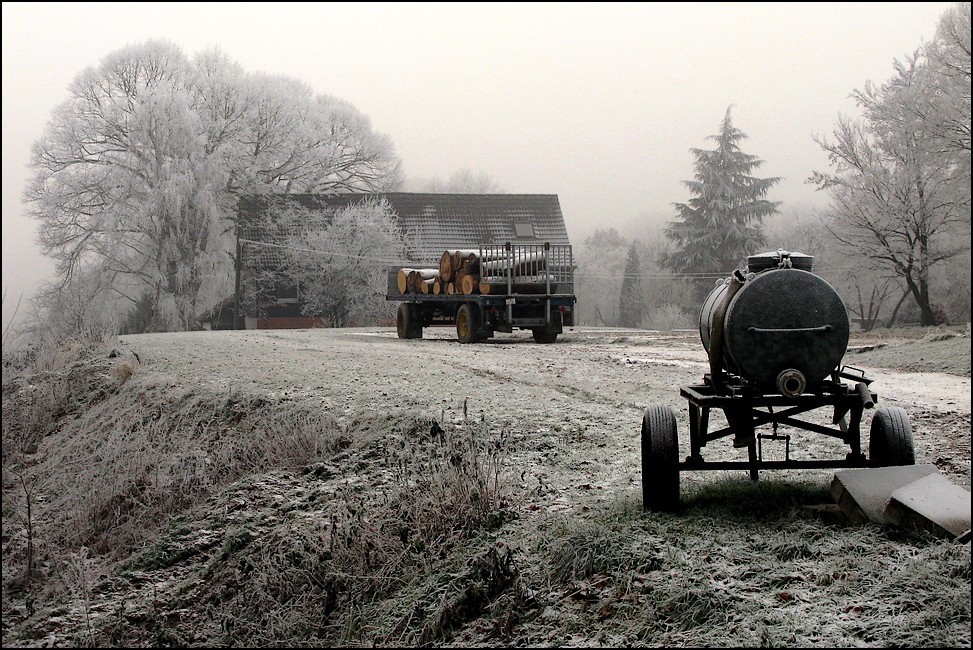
138 174
723 222
601 261
666 303
465 181
899 199
631 307
340 262
945 104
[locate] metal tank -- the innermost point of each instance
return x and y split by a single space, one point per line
776 335
778 325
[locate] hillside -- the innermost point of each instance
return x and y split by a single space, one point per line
344 487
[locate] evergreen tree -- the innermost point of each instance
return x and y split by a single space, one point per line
630 303
723 223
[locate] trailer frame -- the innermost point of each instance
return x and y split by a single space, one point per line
746 409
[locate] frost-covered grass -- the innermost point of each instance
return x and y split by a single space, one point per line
106 477
937 349
739 567
140 513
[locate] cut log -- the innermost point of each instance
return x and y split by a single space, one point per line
450 288
529 284
437 286
471 284
402 280
446 266
531 264
416 277
451 261
425 286
471 264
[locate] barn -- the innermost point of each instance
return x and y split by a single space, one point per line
431 223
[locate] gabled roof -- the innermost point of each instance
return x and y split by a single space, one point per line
437 222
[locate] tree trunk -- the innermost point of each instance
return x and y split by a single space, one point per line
920 291
895 311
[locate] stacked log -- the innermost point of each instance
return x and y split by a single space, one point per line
497 285
452 261
464 272
415 280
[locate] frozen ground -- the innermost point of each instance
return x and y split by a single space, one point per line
569 414
581 398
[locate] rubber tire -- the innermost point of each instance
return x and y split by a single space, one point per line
660 459
407 322
467 324
542 335
890 442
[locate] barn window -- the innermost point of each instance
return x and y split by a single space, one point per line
287 292
524 230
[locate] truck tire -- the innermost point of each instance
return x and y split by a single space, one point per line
549 333
467 324
890 443
542 335
408 322
660 459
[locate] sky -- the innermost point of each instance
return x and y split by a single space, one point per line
599 104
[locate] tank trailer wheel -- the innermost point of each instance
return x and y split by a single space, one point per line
408 324
660 459
467 324
890 442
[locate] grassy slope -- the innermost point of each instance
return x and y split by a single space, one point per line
939 351
366 532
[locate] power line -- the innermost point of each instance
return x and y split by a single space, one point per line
577 274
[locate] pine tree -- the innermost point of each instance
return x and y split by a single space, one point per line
723 223
630 302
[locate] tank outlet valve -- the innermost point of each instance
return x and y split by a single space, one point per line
791 383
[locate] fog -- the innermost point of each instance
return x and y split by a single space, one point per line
597 103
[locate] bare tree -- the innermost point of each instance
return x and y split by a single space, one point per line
893 190
946 105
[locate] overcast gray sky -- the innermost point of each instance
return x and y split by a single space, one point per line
599 104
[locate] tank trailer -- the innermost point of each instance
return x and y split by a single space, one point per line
775 335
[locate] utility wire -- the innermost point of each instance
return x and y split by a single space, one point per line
577 274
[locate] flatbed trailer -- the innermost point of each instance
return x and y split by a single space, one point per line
517 300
